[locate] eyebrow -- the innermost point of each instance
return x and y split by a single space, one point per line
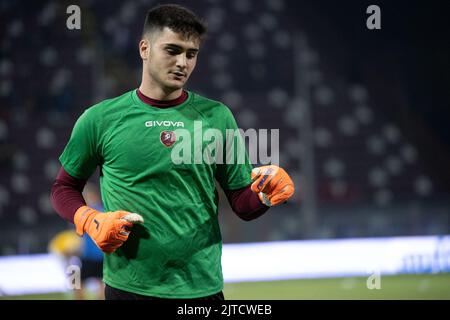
175 46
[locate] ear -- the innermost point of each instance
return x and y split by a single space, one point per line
144 49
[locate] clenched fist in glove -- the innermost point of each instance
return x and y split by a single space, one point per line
272 184
109 230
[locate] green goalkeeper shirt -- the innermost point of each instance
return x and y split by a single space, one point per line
177 252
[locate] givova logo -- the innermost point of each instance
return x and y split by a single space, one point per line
164 123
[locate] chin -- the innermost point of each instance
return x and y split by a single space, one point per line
175 85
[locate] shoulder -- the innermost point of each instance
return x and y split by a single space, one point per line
110 105
209 106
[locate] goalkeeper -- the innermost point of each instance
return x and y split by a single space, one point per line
160 231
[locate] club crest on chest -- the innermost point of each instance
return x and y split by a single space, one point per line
167 138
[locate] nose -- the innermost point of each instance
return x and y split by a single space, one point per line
181 61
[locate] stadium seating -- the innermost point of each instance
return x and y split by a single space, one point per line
369 177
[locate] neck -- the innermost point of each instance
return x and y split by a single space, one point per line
152 90
162 104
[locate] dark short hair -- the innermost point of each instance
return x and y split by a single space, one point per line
177 18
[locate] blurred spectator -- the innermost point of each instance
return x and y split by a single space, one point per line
82 251
91 256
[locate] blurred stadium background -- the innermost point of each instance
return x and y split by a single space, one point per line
363 118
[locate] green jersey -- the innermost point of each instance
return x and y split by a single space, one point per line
177 252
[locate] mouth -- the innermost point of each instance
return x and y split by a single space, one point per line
179 74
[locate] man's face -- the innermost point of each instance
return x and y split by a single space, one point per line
169 59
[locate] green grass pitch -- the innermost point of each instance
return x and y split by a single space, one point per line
392 288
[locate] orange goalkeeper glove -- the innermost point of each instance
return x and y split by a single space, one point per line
272 184
109 230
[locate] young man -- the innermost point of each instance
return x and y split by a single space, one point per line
176 251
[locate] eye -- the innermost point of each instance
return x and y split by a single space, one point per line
171 51
191 55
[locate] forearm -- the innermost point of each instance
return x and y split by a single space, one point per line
66 195
245 203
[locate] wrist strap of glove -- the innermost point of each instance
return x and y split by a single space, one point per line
81 217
